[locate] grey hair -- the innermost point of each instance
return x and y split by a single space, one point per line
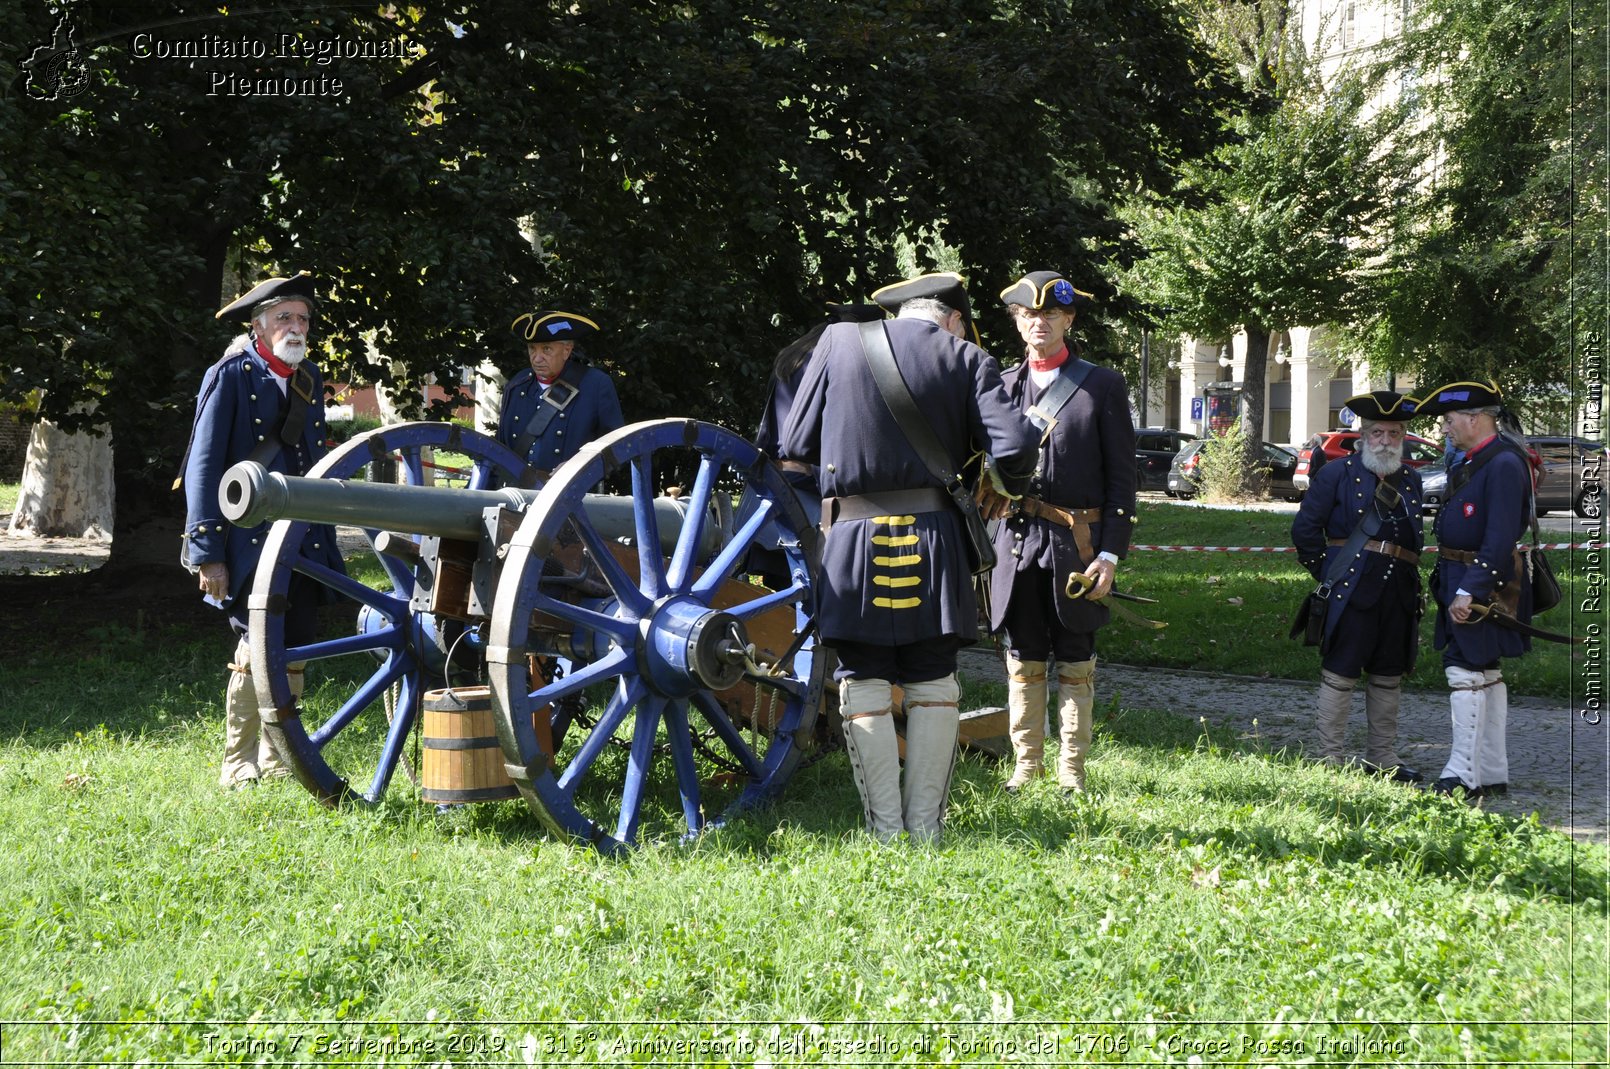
925 308
1485 410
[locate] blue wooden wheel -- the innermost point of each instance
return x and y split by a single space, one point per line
395 653
661 626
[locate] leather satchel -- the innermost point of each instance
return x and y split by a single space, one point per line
909 418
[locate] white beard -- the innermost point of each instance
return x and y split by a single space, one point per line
291 350
1383 460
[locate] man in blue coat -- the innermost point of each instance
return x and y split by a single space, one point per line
1366 508
1076 516
895 596
1487 509
262 401
558 404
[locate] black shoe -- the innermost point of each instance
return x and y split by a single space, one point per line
1449 784
1494 790
1398 773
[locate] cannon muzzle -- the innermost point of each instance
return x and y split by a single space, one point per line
250 494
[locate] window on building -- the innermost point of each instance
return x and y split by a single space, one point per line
1349 25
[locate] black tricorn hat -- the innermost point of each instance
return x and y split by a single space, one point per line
855 313
1458 396
299 285
1383 405
552 326
946 287
1047 289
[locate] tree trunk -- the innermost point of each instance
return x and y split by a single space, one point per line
67 488
1253 376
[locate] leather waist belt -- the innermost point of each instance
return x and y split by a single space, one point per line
794 466
1076 520
884 503
1057 514
1387 549
1458 556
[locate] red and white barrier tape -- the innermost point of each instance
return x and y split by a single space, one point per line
1289 549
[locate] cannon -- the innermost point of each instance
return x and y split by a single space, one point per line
710 684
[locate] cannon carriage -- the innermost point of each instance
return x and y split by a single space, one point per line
550 596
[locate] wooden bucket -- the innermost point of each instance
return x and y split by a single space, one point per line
461 761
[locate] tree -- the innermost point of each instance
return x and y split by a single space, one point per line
703 178
1499 258
1277 228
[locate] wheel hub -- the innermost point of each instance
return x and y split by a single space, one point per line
688 646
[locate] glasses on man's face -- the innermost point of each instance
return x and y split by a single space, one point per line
1041 313
1384 434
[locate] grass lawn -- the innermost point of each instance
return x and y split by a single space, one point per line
1205 901
1231 612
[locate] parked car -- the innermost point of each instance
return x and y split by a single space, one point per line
1433 485
1572 475
1334 445
1155 448
1281 464
1570 470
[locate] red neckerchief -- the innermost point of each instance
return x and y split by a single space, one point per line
275 364
545 382
1473 450
1050 363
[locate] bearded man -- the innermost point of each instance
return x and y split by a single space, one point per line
263 401
1359 533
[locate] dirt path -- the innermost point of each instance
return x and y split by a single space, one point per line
1557 761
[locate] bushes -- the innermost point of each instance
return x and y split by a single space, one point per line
1221 472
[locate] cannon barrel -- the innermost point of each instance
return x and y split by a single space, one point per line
250 494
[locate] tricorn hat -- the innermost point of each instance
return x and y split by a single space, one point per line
552 326
1458 396
946 287
1047 289
854 313
299 286
1383 405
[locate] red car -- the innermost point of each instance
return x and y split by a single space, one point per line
1334 445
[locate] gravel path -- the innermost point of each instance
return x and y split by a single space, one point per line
1557 761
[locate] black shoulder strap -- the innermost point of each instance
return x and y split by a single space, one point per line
1388 494
555 399
907 416
298 398
1043 413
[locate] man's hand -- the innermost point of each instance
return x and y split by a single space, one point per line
214 579
1101 571
1459 609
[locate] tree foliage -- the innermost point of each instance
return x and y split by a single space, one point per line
1275 229
703 178
1499 259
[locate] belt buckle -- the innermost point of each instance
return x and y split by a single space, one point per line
569 397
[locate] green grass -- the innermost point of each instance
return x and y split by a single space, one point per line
1202 883
1231 612
1209 898
9 492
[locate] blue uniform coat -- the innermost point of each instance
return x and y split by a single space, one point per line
883 585
1088 462
594 412
1333 506
1487 515
238 406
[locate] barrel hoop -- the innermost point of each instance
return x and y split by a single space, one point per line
467 794
432 742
